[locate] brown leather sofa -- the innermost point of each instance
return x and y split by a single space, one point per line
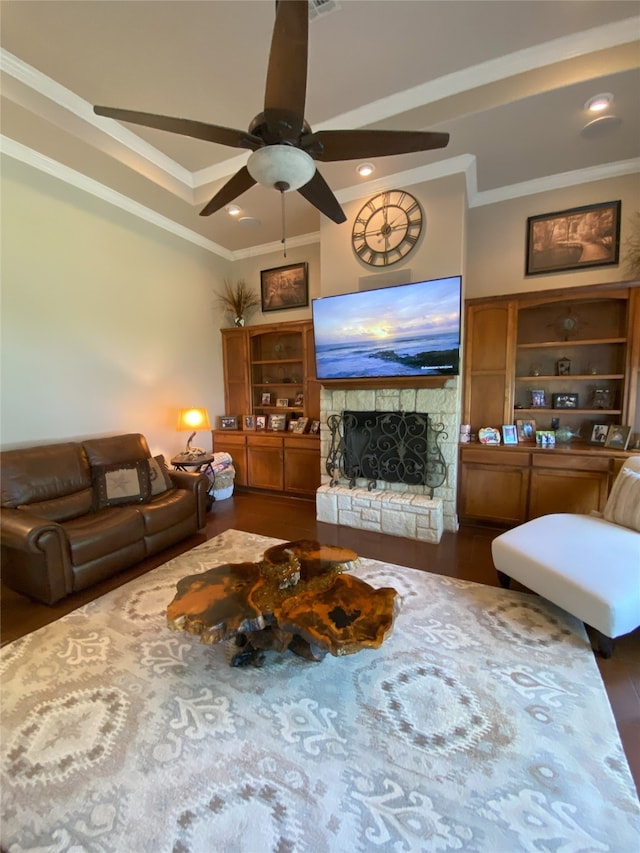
75 513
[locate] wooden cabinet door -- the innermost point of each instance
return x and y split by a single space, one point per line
489 357
236 446
265 462
494 485
301 464
235 355
555 490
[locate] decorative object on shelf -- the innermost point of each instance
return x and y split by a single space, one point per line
301 425
285 287
564 434
535 370
314 429
249 422
509 434
489 435
578 238
277 423
282 402
563 366
465 433
299 399
599 434
526 430
565 401
555 423
592 370
545 438
618 437
261 422
193 419
538 399
229 422
387 228
265 398
238 300
601 398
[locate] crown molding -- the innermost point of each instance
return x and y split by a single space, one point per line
560 181
45 164
464 164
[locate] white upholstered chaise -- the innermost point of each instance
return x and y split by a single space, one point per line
587 564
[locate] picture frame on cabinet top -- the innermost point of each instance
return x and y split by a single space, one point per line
618 437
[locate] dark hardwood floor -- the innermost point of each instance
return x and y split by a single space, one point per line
466 554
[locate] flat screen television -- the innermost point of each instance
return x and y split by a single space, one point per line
405 330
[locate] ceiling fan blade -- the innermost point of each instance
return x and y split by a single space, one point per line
317 192
287 71
332 145
186 127
234 187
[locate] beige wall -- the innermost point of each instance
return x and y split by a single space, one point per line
497 240
439 253
108 323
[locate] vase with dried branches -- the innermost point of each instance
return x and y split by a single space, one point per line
238 300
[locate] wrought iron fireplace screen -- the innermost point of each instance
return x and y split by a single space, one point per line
397 447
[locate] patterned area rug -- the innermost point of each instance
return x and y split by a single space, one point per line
481 724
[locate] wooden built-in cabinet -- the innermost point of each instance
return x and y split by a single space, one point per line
514 345
277 360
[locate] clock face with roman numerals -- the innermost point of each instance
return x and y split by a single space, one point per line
387 228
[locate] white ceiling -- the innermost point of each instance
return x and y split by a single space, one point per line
507 80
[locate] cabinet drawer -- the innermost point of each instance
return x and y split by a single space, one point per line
569 462
494 456
265 441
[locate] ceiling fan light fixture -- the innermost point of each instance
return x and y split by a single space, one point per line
280 165
365 169
233 209
598 103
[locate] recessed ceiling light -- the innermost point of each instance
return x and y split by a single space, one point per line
598 103
365 169
232 209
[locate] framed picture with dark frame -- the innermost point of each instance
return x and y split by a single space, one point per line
248 422
261 422
599 434
578 238
277 423
229 422
285 287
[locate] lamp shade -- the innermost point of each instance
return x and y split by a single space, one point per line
193 419
281 166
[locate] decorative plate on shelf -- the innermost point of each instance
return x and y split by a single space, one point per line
489 435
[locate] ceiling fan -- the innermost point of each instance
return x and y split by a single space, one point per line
284 146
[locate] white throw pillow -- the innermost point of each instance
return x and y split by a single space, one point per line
623 505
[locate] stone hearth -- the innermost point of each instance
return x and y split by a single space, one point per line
393 508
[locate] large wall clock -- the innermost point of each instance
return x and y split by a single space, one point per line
387 228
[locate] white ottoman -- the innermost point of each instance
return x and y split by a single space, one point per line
585 564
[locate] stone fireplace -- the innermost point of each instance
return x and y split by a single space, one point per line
397 508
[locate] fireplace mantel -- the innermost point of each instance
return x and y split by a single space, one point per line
386 382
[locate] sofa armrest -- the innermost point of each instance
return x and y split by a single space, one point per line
199 485
36 560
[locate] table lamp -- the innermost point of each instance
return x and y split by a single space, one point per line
193 419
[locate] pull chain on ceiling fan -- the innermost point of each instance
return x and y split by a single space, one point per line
283 145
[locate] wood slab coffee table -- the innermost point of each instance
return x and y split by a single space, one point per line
297 597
